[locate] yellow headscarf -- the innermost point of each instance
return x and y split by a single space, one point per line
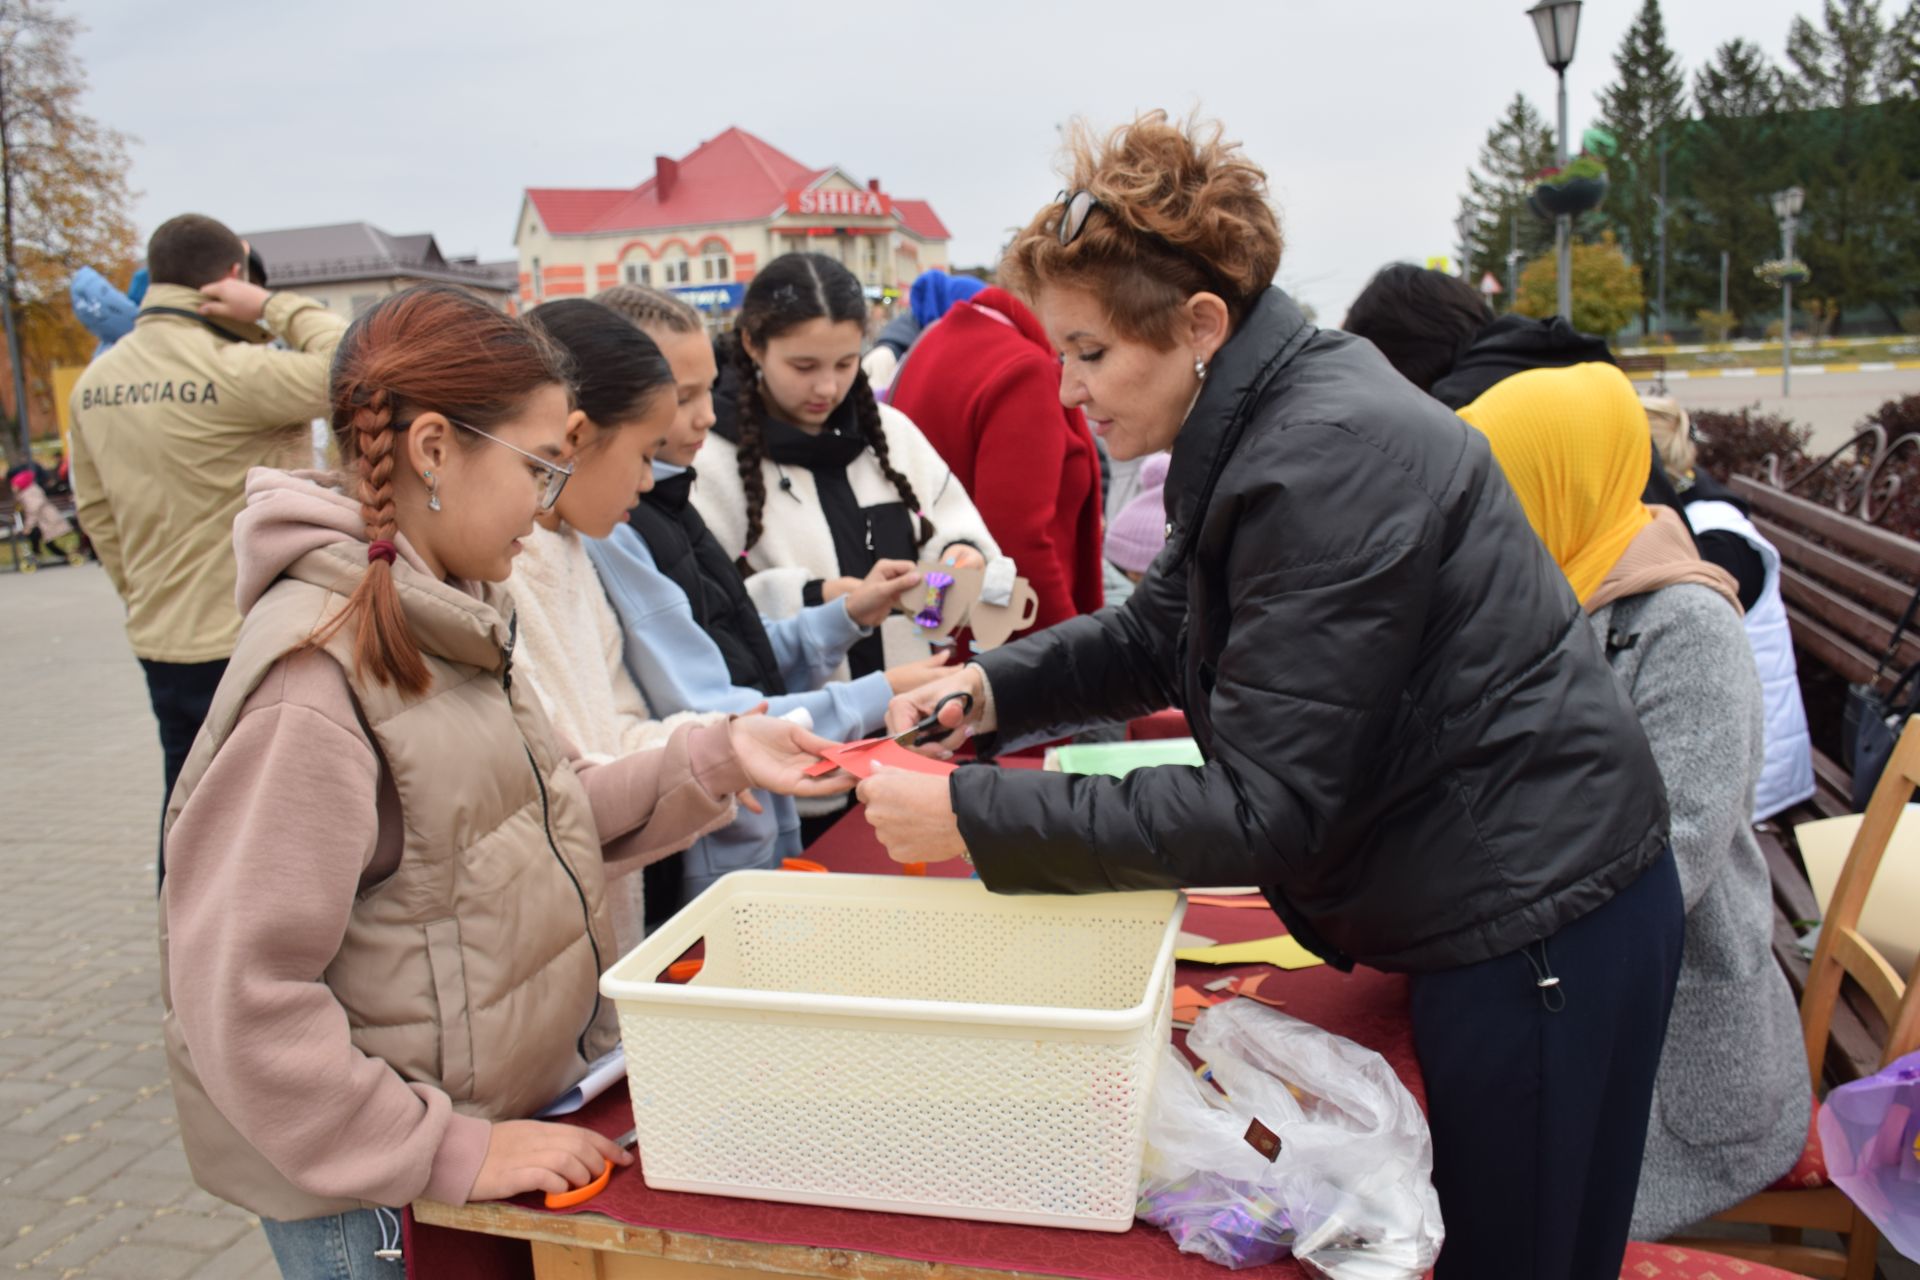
1575 447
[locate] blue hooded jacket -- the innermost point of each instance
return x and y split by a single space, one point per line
107 313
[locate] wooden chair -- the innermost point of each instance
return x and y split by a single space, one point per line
1842 955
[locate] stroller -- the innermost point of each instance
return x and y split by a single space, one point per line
37 531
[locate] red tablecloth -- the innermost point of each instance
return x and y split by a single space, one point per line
1365 1006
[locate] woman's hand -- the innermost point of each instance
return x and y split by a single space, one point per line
963 557
909 676
909 709
775 756
871 599
912 814
531 1155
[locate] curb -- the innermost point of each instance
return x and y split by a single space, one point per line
1773 371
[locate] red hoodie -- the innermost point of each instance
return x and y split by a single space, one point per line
984 387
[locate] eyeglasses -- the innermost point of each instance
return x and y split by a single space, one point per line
552 477
1073 217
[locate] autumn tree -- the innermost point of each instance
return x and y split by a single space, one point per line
64 200
1607 289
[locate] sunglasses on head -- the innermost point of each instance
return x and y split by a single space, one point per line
1076 206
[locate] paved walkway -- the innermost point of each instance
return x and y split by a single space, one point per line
92 1180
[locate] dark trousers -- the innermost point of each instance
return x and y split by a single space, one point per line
1538 1097
182 694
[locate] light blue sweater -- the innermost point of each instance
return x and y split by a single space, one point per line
679 668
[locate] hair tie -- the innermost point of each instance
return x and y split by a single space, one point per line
381 549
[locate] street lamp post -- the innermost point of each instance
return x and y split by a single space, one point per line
1786 207
1465 225
1557 23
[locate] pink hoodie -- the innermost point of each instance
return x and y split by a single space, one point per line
251 930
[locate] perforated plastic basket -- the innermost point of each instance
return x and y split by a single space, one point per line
910 1045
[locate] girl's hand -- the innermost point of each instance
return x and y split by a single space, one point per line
775 755
962 557
909 676
871 599
532 1155
912 814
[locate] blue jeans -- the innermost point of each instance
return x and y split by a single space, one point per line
338 1248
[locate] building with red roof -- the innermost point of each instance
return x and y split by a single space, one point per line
702 225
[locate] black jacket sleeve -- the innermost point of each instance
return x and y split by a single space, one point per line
1327 583
1738 557
1112 665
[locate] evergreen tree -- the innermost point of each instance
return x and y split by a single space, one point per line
1848 157
1727 166
1641 109
1900 74
1516 150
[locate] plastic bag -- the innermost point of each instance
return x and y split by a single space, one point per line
1350 1192
1868 1131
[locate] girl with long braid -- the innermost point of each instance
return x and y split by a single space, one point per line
384 919
809 478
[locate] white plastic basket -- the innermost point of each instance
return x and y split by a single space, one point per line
903 1044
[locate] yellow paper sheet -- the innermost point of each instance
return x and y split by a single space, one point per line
1281 951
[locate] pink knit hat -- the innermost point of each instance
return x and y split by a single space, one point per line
1139 531
22 481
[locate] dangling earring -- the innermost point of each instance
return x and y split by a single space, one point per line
759 374
1200 368
433 490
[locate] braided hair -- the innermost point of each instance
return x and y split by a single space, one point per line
430 347
796 288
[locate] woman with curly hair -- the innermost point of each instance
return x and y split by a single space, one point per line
1412 739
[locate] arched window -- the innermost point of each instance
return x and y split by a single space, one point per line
714 261
675 266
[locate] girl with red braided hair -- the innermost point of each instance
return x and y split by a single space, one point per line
384 919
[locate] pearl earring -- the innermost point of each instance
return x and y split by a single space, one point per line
433 490
1200 369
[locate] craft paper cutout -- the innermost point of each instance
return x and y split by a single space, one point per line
1237 904
961 606
860 758
1282 951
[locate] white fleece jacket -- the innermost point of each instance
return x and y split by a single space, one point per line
571 650
796 545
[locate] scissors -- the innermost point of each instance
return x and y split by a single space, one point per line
919 735
580 1195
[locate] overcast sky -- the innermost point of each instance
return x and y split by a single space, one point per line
433 117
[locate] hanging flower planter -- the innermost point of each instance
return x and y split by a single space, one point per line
1783 271
1568 197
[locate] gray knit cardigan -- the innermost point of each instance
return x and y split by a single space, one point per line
1732 1100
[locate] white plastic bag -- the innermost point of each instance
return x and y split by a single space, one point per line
1350 1192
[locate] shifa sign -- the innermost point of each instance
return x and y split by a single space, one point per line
828 200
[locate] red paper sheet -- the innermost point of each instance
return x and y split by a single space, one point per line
1365 1006
860 759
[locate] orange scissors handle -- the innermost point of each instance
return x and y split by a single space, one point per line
580 1195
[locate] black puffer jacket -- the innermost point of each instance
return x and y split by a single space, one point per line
1413 740
684 550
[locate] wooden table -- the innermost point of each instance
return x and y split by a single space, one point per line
1367 1006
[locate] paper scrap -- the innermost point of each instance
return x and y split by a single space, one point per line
1282 951
1238 904
1192 940
606 1069
859 759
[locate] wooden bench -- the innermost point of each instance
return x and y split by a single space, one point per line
1845 584
18 541
1653 364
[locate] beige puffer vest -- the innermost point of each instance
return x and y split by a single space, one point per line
474 968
